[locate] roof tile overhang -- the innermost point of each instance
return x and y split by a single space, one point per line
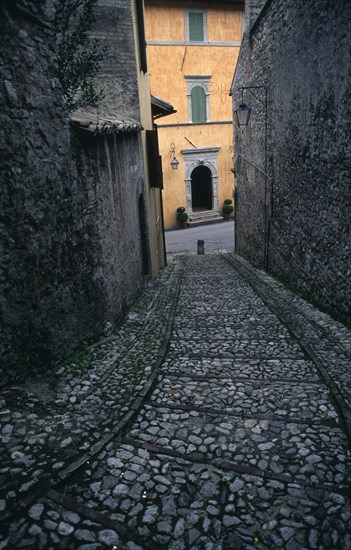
238 2
95 124
160 107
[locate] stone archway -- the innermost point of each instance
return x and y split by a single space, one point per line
201 189
207 159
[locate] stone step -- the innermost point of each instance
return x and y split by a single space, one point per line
198 218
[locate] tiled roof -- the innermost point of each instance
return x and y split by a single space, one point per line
241 2
160 107
108 124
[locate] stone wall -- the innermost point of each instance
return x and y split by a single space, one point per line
113 29
70 254
253 8
293 160
109 169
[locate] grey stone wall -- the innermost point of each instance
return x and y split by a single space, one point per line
70 257
293 161
113 29
253 8
109 169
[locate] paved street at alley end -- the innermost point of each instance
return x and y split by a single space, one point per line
217 416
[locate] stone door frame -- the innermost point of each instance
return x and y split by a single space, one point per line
207 156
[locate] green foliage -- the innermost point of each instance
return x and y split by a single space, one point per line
182 216
78 56
227 208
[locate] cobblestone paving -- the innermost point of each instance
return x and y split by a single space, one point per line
216 417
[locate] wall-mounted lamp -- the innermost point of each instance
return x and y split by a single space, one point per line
242 114
175 164
175 161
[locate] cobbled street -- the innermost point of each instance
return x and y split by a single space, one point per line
218 416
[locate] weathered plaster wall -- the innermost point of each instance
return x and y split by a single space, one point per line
297 220
174 193
153 194
70 256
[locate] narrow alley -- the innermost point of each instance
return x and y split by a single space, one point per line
218 416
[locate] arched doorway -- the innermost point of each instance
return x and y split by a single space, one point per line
201 189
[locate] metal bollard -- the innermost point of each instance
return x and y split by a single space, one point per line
200 247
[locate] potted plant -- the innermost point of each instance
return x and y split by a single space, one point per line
227 208
182 216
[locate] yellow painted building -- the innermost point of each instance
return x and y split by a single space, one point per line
192 50
153 192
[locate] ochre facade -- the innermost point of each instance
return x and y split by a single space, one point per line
174 65
155 235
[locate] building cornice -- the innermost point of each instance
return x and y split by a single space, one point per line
186 43
200 151
194 123
234 2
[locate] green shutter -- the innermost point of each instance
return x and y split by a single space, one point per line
198 104
196 26
154 159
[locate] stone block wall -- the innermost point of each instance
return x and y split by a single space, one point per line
253 8
70 255
109 169
293 161
113 29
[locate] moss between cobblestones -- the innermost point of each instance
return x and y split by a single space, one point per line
180 257
228 490
146 302
114 370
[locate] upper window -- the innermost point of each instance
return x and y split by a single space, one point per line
195 26
198 94
198 104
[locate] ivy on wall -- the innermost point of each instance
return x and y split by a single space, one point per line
78 56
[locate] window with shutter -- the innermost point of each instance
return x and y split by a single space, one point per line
198 96
154 159
196 26
198 104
